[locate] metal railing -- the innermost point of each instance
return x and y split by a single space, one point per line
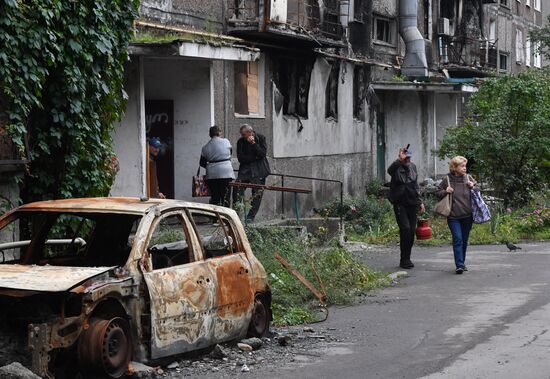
305 15
471 52
313 179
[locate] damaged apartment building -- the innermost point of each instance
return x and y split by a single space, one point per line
336 86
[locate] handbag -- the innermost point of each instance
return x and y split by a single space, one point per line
480 210
443 207
199 187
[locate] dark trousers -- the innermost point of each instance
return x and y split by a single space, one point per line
256 201
460 230
405 216
219 191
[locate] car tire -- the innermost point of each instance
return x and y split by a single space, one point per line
105 348
261 317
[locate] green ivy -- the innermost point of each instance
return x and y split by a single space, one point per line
61 72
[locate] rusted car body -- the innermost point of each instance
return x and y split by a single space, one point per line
87 285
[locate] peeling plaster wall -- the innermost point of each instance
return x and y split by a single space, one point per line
129 148
322 136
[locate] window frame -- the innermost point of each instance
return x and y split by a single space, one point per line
261 89
520 47
391 22
507 56
239 247
192 251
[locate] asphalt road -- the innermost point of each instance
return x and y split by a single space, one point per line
490 322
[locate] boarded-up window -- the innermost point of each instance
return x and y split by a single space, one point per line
247 99
331 94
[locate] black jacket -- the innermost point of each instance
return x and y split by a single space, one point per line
404 188
252 158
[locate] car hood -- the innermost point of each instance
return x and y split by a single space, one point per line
46 278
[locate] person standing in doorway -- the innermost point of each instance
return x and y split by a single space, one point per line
216 158
254 167
407 202
154 150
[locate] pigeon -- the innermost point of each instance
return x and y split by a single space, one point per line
512 247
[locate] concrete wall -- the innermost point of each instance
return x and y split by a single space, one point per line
205 15
413 118
187 83
128 136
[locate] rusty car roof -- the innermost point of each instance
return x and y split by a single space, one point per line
125 205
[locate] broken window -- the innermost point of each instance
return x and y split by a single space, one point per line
68 239
168 244
215 234
504 3
384 30
359 92
247 88
292 78
331 92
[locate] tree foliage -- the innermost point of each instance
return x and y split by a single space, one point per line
61 71
542 38
507 135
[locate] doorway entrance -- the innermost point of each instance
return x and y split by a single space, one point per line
159 123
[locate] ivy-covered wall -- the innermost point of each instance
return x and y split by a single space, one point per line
61 70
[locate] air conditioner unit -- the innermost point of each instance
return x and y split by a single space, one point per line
443 27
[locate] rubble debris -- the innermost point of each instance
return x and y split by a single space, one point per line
308 329
173 365
398 274
244 347
16 370
284 340
245 368
254 342
218 353
140 370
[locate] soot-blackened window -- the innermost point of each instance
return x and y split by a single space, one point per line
331 93
292 78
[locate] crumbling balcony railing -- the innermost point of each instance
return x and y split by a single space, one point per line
468 52
300 16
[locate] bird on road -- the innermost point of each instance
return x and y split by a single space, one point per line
512 247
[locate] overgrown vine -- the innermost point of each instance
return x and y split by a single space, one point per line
61 76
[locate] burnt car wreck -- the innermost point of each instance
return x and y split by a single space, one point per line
87 285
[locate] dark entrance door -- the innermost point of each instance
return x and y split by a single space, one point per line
159 117
381 145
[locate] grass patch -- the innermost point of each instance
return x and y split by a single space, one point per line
342 275
150 37
370 219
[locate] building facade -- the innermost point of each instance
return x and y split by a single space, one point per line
337 86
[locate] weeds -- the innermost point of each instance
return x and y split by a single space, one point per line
341 275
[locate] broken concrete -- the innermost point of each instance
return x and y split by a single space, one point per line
16 370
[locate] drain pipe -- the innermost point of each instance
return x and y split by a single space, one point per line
415 63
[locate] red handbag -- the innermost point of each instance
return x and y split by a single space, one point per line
199 188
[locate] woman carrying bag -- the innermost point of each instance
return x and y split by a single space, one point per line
456 190
216 158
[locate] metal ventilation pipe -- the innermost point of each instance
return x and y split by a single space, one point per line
415 62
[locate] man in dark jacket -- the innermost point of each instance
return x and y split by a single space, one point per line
407 202
254 167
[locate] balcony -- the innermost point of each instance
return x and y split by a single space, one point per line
467 55
298 20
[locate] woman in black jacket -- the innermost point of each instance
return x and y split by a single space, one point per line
407 202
